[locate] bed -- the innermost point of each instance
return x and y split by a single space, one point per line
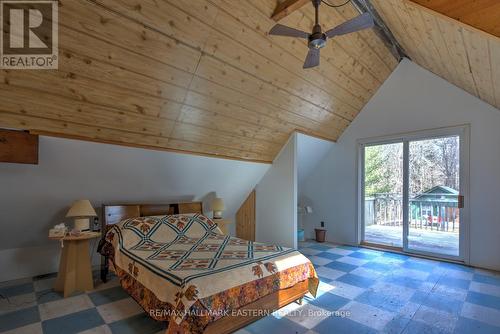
178 266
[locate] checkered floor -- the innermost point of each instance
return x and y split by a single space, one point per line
361 291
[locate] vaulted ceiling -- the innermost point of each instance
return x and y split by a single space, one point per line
463 55
199 76
204 76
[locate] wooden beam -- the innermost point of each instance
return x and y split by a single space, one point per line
287 7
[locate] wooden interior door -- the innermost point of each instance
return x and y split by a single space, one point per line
245 219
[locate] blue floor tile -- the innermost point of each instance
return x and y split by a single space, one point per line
381 301
324 279
407 282
396 256
417 327
328 255
351 248
484 300
455 266
330 302
272 325
320 247
73 323
380 267
16 290
340 325
418 266
437 301
108 295
486 279
19 318
341 266
396 325
469 326
49 295
362 255
359 281
140 323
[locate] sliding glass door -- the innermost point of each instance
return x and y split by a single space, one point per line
383 189
412 189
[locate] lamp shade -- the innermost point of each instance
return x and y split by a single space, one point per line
81 208
218 204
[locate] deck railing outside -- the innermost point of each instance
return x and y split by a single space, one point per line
427 211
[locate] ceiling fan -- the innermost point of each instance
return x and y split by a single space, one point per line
317 39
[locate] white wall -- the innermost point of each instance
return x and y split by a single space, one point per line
414 99
276 199
35 197
310 152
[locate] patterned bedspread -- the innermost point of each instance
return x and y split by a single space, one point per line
181 264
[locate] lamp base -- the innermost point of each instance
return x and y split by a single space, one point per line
82 224
217 215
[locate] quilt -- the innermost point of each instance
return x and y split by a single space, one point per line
183 264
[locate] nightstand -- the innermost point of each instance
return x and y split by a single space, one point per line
222 224
75 269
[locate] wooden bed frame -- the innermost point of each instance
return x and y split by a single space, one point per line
113 214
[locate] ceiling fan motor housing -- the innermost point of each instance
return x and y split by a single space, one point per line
317 39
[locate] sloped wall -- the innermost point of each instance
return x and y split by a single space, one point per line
36 197
276 199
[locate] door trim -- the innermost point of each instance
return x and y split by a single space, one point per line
464 132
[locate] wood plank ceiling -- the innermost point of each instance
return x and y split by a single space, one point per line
199 76
465 56
481 14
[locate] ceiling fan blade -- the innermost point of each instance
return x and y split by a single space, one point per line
312 59
281 30
360 22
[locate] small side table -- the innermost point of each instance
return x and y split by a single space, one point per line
222 224
75 269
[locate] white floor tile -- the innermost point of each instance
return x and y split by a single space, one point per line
444 321
352 260
17 302
393 290
340 251
119 310
288 309
309 251
481 313
104 329
320 261
368 315
35 328
487 289
411 273
452 292
458 274
308 316
366 272
346 290
329 273
64 306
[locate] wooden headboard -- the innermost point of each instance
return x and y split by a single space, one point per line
113 214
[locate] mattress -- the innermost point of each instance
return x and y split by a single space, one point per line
180 268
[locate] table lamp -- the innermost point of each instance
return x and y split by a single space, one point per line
81 210
218 207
